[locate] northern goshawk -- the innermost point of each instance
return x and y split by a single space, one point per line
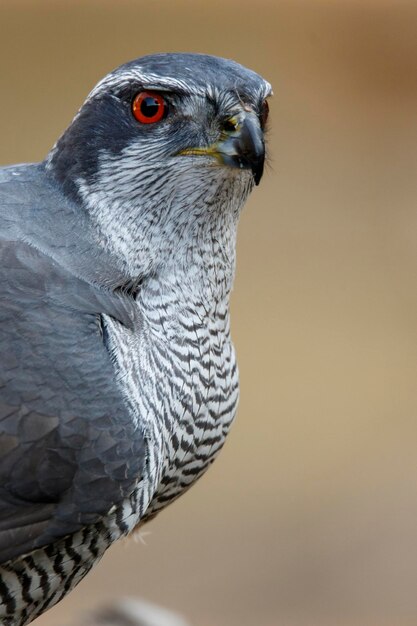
118 379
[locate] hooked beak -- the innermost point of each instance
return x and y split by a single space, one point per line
243 147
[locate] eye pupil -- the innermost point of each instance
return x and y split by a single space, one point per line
149 107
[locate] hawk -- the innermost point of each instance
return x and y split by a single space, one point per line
118 378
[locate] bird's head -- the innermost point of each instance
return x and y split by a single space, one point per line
165 140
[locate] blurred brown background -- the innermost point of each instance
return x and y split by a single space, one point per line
309 517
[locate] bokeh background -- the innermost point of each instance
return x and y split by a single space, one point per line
309 517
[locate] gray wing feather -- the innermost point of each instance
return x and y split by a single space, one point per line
69 450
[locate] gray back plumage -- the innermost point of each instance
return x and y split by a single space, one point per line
68 448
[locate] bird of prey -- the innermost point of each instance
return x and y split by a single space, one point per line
118 379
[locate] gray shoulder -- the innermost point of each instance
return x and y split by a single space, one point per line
69 450
34 209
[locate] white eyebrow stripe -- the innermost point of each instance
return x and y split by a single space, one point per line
118 80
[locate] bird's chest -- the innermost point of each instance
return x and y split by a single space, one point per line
180 381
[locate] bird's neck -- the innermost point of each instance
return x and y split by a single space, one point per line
203 265
182 249
194 285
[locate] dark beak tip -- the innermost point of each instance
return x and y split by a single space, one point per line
257 171
251 147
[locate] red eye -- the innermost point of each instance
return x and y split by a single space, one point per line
149 107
